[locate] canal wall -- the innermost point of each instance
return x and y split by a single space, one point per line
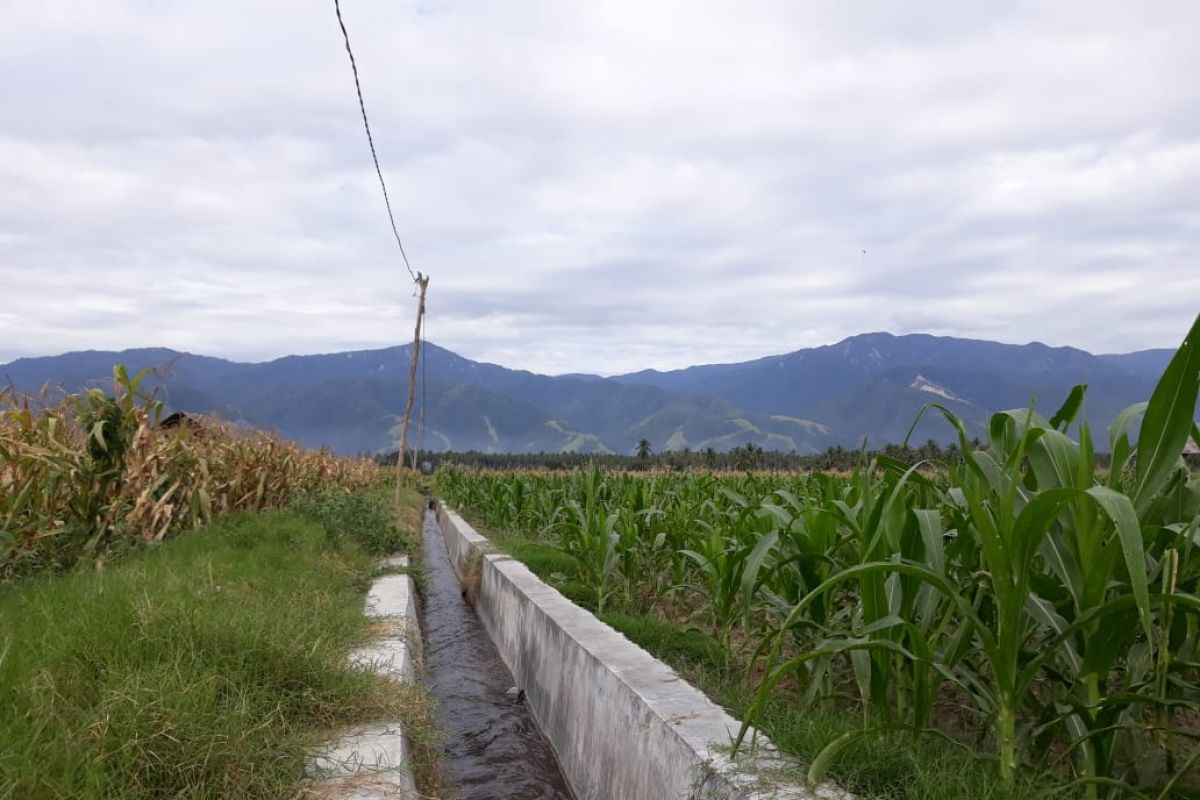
622 723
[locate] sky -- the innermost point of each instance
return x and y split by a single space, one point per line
597 186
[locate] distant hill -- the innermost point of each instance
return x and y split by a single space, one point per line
872 386
1149 363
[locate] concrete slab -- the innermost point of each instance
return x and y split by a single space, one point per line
389 657
391 595
372 762
367 763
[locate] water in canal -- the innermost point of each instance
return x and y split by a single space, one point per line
493 748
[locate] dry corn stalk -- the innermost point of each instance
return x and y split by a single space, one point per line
80 472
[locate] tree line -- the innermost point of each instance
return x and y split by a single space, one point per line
748 457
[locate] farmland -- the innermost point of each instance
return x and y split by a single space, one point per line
1018 603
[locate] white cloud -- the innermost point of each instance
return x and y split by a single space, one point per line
597 186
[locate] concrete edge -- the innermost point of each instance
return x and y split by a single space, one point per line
373 762
623 723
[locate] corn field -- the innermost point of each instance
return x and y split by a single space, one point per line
1019 600
87 474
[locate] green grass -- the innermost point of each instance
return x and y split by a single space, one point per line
687 649
545 560
889 766
364 517
896 765
206 667
553 566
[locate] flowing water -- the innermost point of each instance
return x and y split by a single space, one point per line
493 747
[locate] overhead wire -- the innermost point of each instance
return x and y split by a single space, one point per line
421 281
337 7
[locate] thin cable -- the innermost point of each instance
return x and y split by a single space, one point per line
370 140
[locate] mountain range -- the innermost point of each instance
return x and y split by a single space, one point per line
872 385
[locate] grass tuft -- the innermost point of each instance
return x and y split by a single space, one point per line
363 517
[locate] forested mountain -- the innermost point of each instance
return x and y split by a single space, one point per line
871 386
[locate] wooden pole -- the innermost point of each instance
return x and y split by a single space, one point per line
422 284
416 451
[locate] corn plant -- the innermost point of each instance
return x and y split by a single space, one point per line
588 532
729 553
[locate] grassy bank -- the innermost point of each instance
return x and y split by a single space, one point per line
205 667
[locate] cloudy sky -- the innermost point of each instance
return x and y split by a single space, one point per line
597 186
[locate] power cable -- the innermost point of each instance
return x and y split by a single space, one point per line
370 140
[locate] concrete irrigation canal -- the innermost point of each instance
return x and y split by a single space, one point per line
539 700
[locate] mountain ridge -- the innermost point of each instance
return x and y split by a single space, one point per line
871 385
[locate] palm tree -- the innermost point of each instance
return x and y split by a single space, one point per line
643 449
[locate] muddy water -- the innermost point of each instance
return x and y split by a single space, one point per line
493 747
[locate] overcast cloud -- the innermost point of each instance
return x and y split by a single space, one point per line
598 186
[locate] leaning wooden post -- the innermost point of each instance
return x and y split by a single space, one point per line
422 285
